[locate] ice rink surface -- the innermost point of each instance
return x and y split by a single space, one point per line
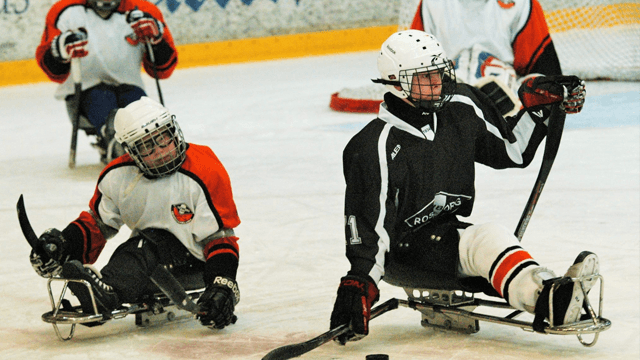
271 126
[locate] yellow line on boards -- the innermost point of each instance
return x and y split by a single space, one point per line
236 51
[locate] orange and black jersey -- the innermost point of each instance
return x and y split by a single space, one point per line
195 204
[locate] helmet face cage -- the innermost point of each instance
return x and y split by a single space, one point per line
150 150
104 5
440 82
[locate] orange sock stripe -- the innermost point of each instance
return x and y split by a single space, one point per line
506 266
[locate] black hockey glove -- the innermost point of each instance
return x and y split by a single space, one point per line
49 255
574 100
70 44
356 295
145 27
539 93
218 303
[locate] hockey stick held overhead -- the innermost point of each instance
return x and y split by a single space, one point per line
295 350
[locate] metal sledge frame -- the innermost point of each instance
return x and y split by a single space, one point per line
454 310
144 311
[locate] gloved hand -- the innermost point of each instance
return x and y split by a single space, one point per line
145 27
356 295
70 44
539 93
574 100
218 302
49 255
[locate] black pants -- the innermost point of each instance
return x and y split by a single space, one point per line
132 263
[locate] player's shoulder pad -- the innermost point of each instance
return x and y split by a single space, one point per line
202 161
59 7
124 160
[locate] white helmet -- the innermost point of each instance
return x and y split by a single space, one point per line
144 127
408 52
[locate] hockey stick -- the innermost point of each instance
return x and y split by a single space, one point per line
76 75
295 350
25 225
171 287
554 135
155 70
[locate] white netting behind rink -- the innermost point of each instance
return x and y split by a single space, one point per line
596 39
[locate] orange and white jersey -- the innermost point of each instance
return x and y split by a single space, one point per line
514 31
111 59
193 203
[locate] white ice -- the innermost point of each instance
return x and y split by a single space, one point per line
271 126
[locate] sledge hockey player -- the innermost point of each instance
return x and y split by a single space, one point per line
501 42
175 197
410 173
110 37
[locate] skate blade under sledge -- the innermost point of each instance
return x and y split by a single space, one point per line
156 309
455 310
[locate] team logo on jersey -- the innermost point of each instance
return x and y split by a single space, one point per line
442 203
182 213
506 4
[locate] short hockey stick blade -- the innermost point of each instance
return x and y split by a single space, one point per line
554 135
171 287
25 225
295 350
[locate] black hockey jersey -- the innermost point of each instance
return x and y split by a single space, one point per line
406 168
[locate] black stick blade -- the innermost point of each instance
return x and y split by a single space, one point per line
25 225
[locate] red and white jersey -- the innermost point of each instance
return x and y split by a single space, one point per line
514 31
111 58
192 203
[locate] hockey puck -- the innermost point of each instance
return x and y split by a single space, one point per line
377 357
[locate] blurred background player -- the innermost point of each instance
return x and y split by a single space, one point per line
410 173
110 37
492 43
175 197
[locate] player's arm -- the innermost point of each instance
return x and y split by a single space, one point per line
367 240
83 239
533 47
148 25
59 45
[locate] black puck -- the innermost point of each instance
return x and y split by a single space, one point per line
377 357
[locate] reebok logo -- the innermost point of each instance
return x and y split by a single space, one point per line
225 282
538 113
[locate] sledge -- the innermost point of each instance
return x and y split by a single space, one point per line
154 309
451 304
166 299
